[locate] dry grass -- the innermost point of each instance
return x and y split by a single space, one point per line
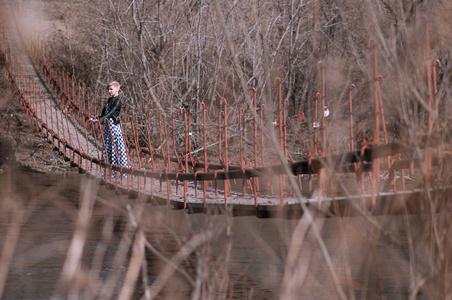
63 237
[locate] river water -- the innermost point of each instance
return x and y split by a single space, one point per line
239 257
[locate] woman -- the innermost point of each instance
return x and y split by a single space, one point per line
114 141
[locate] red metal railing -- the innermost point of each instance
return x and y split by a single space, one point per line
62 117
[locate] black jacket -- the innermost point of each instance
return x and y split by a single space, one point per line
115 108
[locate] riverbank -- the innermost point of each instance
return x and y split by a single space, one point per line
21 148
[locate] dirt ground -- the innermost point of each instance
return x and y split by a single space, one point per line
21 147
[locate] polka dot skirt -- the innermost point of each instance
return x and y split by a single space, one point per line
114 144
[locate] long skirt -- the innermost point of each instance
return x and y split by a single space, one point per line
115 146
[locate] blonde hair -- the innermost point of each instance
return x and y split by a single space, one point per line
115 84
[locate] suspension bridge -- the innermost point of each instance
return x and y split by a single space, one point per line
60 105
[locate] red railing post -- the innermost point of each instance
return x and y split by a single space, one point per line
375 161
226 158
202 106
152 151
184 113
168 157
179 163
253 92
242 158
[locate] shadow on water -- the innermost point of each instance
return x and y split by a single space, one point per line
243 257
